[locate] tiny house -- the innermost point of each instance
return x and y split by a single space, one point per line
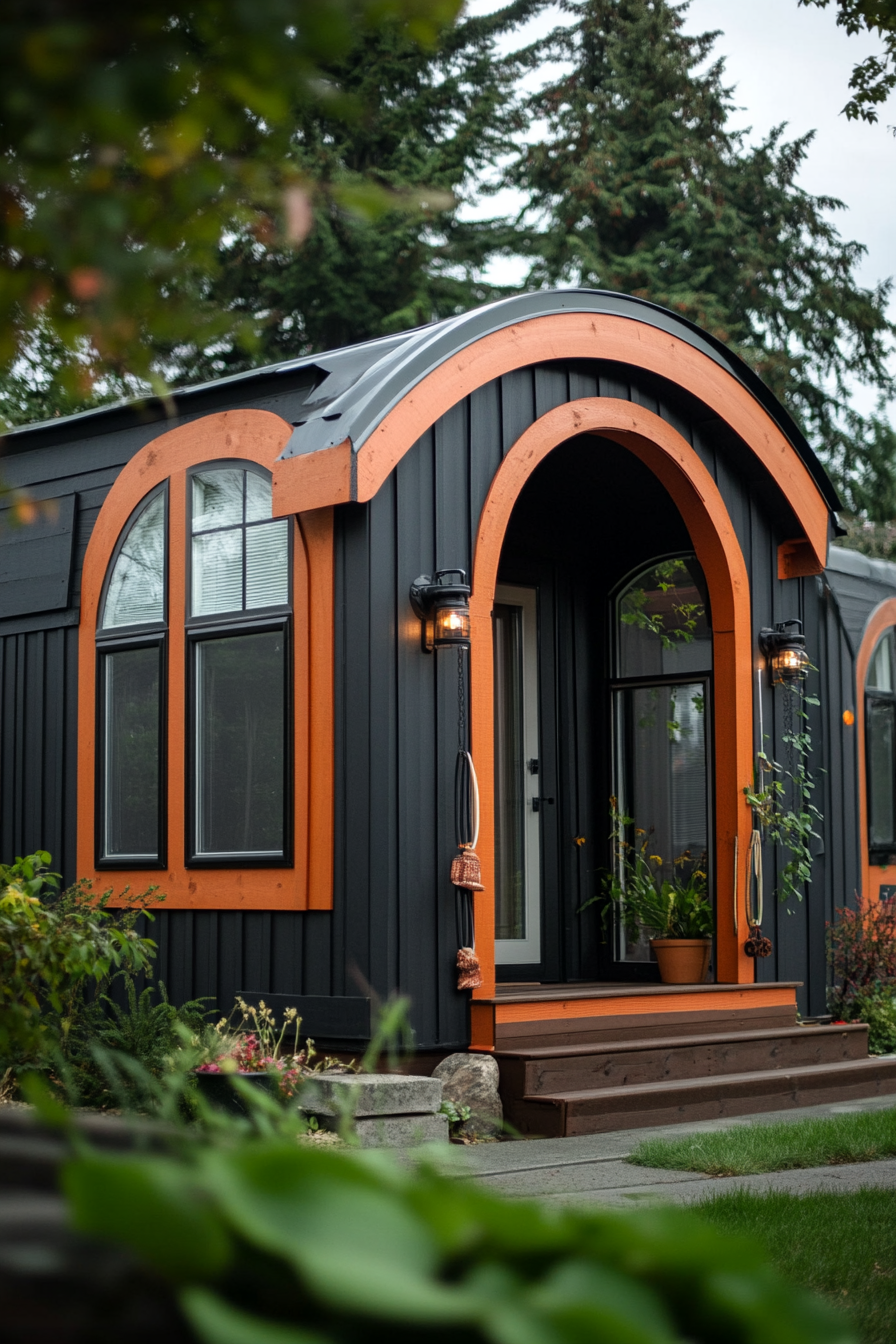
213 679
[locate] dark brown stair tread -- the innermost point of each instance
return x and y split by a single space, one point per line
537 1052
605 990
843 1071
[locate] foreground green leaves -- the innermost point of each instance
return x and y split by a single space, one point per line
783 1146
278 1244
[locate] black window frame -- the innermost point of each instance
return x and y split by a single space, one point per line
221 625
879 852
120 639
617 686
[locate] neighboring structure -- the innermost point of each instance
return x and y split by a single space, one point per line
213 680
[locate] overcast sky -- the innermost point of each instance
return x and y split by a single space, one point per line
792 64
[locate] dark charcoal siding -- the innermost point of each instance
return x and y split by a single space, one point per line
393 923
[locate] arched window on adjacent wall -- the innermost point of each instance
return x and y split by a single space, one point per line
205 678
880 749
662 656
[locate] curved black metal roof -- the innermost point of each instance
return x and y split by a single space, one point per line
356 394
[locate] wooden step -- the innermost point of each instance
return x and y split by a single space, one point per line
597 1110
645 1026
537 1070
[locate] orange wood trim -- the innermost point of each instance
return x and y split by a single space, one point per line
324 478
562 336
880 620
318 530
561 1009
797 560
255 436
482 1026
697 497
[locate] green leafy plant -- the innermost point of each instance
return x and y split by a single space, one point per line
273 1241
457 1116
781 796
642 899
57 950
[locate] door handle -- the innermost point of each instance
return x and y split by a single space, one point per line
537 802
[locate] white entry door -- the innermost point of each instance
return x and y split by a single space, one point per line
517 779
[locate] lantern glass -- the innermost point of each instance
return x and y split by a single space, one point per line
789 665
451 626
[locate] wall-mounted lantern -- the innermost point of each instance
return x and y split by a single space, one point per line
785 650
444 609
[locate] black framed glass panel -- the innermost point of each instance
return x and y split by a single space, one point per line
663 627
132 751
240 753
510 798
239 559
880 748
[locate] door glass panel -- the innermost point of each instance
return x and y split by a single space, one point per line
517 822
510 798
240 735
662 777
131 687
881 773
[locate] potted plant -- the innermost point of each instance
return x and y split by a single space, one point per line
674 911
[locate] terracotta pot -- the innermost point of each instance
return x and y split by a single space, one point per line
682 961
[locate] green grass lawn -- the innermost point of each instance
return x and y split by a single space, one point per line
842 1246
748 1149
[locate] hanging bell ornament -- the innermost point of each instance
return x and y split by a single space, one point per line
466 870
470 976
757 945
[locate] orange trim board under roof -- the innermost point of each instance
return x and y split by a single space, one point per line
880 620
325 477
254 436
696 495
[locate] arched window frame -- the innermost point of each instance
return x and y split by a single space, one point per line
879 698
307 883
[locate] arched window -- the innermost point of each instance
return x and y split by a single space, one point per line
206 637
239 712
662 652
880 749
131 647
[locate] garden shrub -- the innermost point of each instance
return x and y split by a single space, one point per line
861 947
268 1241
58 950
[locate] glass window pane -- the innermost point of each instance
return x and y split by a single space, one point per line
258 497
880 674
663 622
136 592
663 778
510 802
267 564
130 786
217 572
240 728
217 498
880 739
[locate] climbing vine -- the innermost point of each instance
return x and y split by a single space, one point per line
781 795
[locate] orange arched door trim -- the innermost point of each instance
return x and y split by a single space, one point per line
880 620
330 476
253 436
697 497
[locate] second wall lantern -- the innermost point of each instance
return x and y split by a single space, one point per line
443 607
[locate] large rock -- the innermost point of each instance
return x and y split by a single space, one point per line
472 1080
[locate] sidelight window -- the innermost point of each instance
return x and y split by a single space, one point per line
880 749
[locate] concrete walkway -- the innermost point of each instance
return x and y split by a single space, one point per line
591 1170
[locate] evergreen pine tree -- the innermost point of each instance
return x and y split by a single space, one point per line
639 184
427 123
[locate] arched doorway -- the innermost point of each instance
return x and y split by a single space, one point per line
697 523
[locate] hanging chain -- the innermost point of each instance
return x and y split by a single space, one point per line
789 696
461 703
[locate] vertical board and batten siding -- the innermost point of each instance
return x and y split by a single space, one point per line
393 921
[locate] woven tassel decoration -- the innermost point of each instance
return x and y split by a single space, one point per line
757 945
466 871
470 976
